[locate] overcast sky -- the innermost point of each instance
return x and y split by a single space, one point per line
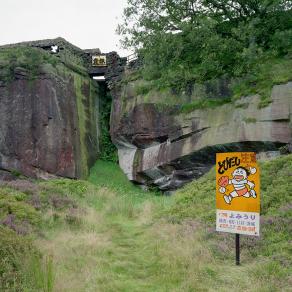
85 23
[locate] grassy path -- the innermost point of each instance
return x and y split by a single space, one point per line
112 249
120 242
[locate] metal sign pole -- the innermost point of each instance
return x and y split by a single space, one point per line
237 249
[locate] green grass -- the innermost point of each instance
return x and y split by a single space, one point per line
22 267
13 203
113 232
196 202
250 120
108 174
268 73
26 58
203 104
106 234
196 199
32 59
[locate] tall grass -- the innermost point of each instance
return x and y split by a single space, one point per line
41 274
22 267
120 238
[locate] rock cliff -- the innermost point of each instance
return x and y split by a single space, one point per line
48 113
50 117
161 143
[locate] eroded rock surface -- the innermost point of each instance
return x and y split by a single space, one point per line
48 115
163 146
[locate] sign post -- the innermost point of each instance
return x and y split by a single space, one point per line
237 195
237 249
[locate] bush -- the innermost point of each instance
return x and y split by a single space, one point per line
18 259
282 42
180 42
16 213
27 58
108 151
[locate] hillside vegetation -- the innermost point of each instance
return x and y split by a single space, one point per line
216 92
107 235
187 41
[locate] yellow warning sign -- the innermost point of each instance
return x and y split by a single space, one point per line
237 193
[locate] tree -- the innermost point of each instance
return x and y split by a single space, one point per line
202 38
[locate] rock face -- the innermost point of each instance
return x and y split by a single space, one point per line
48 115
164 146
49 118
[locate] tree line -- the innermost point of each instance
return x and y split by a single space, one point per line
182 41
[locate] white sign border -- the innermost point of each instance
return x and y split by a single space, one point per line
230 213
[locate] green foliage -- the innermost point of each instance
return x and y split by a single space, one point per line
41 273
193 41
260 80
143 89
282 42
16 173
25 58
16 211
203 103
82 71
242 105
13 250
108 151
21 265
75 188
28 209
264 102
250 120
276 183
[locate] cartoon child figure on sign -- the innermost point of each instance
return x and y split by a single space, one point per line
239 181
